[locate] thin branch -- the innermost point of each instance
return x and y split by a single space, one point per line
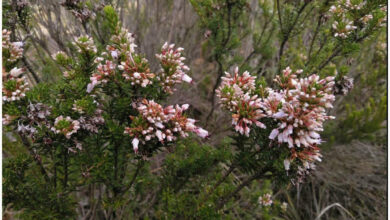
220 74
316 31
314 37
220 181
337 51
286 35
226 198
31 70
266 23
217 58
139 166
329 59
66 171
279 15
36 157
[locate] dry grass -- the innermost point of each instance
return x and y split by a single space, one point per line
353 176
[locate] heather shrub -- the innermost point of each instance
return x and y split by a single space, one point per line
120 125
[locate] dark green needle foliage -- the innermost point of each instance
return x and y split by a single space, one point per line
76 145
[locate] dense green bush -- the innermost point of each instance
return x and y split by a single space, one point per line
85 135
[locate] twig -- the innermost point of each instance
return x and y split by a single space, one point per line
334 54
217 58
323 211
220 181
65 180
139 166
33 73
286 35
315 36
266 23
27 144
225 199
220 73
316 32
279 15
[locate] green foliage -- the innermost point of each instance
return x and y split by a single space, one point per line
27 190
186 180
14 14
105 25
111 19
364 119
190 160
224 24
362 124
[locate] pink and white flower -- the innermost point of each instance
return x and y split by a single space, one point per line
265 200
173 70
85 44
235 95
299 108
14 87
65 126
102 75
162 124
138 73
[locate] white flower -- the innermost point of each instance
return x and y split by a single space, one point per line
279 114
159 135
7 119
18 44
201 132
265 200
165 124
284 206
114 54
186 78
273 134
135 144
90 87
171 58
15 72
286 163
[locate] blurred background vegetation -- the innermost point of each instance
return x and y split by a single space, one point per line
261 36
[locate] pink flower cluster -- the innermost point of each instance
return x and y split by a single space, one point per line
307 157
354 5
265 200
344 24
37 117
299 107
301 116
163 124
120 58
15 85
303 111
103 73
173 70
133 67
85 44
119 63
236 95
124 42
343 28
366 18
92 123
65 126
137 73
15 49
